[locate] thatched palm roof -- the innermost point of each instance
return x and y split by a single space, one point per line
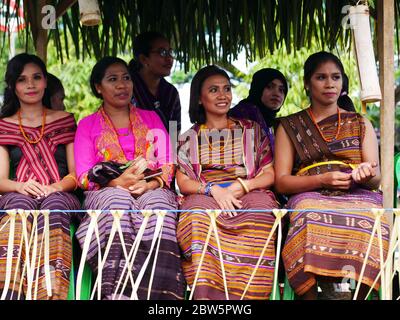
201 30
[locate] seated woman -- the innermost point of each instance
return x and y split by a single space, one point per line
38 144
117 133
225 164
323 244
152 62
268 91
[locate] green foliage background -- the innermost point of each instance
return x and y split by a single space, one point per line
74 74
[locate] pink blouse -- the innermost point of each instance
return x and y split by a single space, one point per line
87 153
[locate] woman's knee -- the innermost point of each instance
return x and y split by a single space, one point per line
15 200
110 199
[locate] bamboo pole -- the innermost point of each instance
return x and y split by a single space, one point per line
387 111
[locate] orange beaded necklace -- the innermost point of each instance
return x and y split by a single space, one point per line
41 131
322 135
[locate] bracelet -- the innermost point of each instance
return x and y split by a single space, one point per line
198 191
160 181
207 189
73 178
245 188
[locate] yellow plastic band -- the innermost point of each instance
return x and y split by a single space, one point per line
246 188
70 176
353 166
160 181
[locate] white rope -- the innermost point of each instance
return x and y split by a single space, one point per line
378 215
381 259
93 214
21 214
46 230
100 274
38 268
116 226
159 224
118 215
32 241
210 229
24 214
132 254
10 250
101 266
163 213
279 213
214 215
5 224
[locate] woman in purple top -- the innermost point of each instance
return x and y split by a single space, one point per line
153 59
268 91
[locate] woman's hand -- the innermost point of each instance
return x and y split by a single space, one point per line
128 178
226 200
335 180
50 189
364 172
139 188
31 188
237 189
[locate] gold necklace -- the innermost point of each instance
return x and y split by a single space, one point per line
41 131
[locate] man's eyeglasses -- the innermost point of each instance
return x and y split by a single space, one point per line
165 52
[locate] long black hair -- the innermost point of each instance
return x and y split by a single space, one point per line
197 112
312 64
142 44
14 69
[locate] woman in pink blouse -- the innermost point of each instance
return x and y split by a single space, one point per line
105 141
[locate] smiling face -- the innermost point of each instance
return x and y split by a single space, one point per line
325 84
273 94
155 63
116 86
30 85
216 95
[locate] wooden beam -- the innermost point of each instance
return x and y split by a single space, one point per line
63 6
41 40
387 113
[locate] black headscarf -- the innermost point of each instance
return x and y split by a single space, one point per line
260 80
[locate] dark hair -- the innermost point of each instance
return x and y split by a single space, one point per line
142 44
344 100
260 80
312 64
14 69
197 113
99 71
54 84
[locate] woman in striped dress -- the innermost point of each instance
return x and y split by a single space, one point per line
326 244
38 144
117 133
224 163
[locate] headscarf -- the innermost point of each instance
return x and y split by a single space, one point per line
258 83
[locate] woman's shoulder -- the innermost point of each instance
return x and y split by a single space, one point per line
148 115
89 120
55 115
244 107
